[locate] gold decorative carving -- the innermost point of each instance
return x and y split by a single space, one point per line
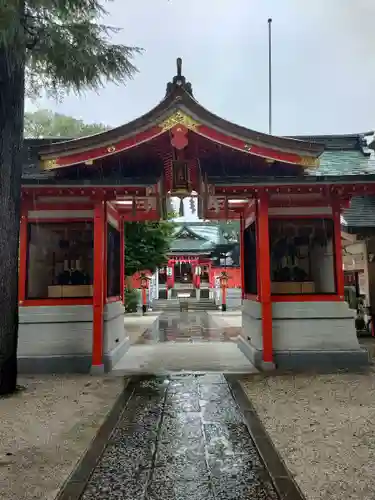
178 118
247 147
309 162
111 149
49 164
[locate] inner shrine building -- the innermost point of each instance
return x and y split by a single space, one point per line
284 192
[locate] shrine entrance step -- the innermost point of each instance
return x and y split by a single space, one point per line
185 342
193 304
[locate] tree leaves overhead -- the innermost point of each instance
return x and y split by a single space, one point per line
68 47
46 123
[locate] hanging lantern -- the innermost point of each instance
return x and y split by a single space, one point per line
144 280
224 278
144 285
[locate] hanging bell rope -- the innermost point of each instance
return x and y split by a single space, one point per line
181 211
192 205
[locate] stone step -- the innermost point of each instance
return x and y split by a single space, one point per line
174 305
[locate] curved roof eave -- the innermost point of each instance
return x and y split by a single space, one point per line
180 99
188 229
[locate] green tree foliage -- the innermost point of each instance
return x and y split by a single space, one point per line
46 123
59 46
131 299
147 245
65 44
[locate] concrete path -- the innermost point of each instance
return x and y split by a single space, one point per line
188 342
181 438
197 356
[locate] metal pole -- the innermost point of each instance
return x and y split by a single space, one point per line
270 76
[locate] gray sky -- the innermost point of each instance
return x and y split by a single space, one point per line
323 62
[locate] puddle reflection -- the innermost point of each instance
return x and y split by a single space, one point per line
187 327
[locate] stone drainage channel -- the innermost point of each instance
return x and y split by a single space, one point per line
181 437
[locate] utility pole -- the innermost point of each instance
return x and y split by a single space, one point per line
270 76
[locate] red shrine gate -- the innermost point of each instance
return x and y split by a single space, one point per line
290 223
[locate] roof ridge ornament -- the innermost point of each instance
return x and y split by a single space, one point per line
179 81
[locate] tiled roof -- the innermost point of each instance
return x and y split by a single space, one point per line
360 214
343 155
204 236
349 155
340 163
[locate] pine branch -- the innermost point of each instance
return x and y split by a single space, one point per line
68 46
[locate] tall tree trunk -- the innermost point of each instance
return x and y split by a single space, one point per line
12 71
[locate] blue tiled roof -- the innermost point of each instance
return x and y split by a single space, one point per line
343 155
360 214
200 236
349 155
339 163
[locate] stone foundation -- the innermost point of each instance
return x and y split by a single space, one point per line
58 339
234 298
306 335
116 340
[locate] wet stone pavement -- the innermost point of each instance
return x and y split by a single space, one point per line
180 437
187 327
185 342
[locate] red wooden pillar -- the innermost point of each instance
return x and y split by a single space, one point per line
257 252
22 270
242 256
122 259
100 271
339 268
265 276
105 257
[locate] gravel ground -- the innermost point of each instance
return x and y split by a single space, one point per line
45 430
323 426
